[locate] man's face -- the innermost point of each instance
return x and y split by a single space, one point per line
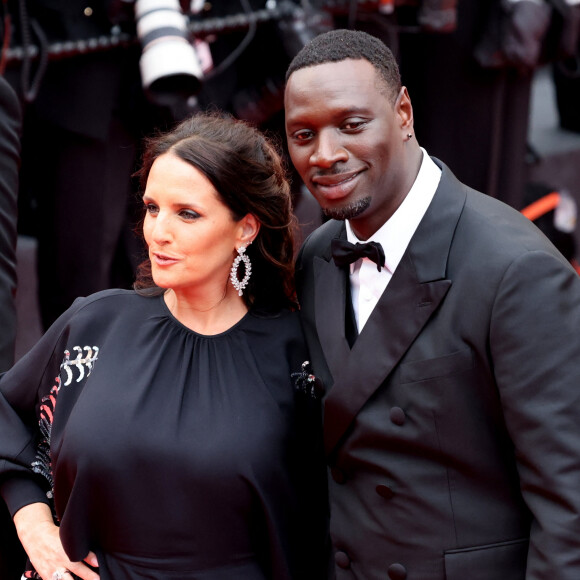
346 140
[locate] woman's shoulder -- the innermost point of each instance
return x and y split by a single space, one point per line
275 327
105 298
114 302
275 317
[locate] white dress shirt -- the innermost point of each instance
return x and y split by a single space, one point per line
366 283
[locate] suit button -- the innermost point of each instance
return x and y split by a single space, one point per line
337 475
397 416
397 572
385 491
88 11
342 560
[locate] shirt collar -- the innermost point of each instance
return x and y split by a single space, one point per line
396 233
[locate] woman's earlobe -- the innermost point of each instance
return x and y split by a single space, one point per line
251 227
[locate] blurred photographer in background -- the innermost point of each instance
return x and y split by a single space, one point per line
84 117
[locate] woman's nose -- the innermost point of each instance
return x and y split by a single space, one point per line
161 229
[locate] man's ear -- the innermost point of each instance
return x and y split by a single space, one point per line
404 110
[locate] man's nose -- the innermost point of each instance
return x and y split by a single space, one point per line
329 149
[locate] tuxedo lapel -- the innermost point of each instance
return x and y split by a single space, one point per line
330 311
395 322
413 294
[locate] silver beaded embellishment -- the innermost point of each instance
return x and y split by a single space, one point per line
238 284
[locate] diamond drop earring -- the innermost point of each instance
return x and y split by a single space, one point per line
238 284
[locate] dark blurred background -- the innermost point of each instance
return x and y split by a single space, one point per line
495 86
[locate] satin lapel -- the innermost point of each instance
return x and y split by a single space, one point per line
330 308
395 323
415 291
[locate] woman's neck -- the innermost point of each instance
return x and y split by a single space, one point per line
207 314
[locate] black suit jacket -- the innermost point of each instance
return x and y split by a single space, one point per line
452 427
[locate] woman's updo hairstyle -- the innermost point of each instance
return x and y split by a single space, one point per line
248 173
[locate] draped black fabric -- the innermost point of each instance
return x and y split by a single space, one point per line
173 454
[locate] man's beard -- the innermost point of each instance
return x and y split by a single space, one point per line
348 212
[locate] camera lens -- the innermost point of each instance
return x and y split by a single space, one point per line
170 68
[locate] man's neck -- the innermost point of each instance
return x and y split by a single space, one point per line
371 221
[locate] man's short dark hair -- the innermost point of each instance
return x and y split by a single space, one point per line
338 45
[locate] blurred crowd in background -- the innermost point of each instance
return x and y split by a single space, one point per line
88 97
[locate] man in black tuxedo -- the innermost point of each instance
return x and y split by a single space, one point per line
449 349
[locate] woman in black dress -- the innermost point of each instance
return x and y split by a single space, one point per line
170 431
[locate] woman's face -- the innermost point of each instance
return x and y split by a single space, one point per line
191 234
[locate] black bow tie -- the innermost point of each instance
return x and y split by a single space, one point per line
344 252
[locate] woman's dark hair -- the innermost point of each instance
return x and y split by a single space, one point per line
248 173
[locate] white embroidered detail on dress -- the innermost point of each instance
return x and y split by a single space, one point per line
43 461
79 362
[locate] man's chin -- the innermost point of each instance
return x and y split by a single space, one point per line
348 212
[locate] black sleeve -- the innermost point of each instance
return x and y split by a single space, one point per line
22 390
